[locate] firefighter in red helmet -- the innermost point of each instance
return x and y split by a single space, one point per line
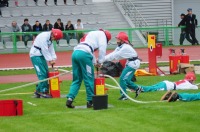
174 96
41 51
83 61
125 50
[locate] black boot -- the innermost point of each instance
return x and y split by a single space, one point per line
69 103
89 104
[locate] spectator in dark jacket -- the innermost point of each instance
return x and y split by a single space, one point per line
69 35
26 27
183 34
59 25
191 23
37 28
47 26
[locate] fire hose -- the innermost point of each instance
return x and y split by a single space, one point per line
25 85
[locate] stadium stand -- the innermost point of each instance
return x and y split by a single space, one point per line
1 46
93 15
144 13
9 45
21 45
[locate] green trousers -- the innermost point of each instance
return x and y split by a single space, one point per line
41 68
156 87
83 69
126 79
189 97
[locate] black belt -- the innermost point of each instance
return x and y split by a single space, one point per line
37 48
132 59
88 46
174 86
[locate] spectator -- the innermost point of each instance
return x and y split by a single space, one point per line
59 25
15 28
69 35
79 26
191 23
183 34
47 26
37 28
55 2
26 27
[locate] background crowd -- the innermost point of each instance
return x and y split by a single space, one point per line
47 26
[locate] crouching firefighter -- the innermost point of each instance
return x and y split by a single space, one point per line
125 51
83 62
42 51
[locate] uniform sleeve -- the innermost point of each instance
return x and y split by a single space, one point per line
111 56
102 48
94 59
52 52
48 53
120 53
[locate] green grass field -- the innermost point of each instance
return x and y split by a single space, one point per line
51 114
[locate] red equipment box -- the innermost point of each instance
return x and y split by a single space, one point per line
159 49
54 84
185 59
174 61
11 107
99 86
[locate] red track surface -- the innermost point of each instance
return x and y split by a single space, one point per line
64 58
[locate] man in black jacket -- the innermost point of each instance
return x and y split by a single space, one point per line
37 28
191 23
59 25
183 34
47 26
26 27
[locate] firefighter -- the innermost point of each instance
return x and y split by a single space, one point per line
41 51
174 96
125 51
82 64
185 84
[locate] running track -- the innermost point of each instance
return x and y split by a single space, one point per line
64 59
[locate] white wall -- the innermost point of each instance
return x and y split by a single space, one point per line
181 6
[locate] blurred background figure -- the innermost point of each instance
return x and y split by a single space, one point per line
37 28
78 26
26 27
47 26
16 28
69 35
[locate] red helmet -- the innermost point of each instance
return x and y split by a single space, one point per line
107 33
57 33
123 36
190 76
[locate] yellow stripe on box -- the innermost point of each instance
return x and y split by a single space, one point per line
100 90
54 84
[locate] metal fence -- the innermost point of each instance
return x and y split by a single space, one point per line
14 42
